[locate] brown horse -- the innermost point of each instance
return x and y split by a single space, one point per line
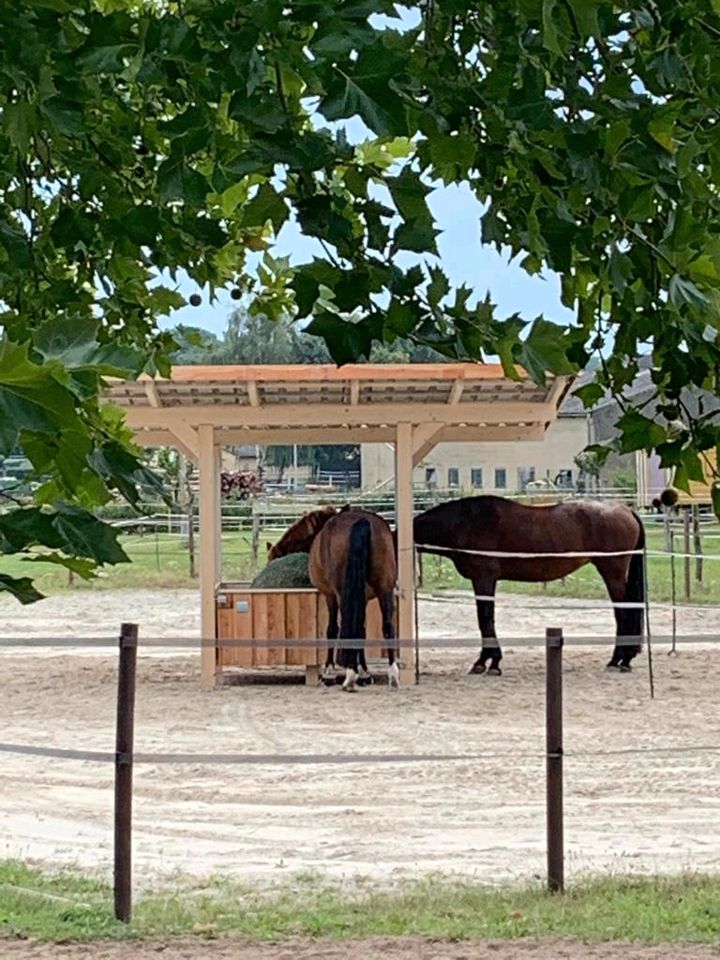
352 560
337 549
299 537
558 539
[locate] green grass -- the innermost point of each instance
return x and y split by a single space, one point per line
161 561
67 906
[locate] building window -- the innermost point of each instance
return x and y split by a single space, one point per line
500 478
525 475
476 478
453 477
430 477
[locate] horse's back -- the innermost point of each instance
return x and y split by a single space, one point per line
489 533
330 552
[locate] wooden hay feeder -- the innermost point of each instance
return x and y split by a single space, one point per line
252 614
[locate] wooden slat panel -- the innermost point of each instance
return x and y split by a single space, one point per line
224 631
311 626
301 624
292 628
276 627
238 625
260 628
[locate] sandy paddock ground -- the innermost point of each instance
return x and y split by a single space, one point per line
374 948
481 818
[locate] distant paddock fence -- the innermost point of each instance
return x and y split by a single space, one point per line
686 536
124 757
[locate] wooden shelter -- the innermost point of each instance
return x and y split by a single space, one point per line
198 409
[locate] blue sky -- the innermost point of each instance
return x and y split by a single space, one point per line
463 258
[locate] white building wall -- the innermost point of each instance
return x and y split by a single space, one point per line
564 439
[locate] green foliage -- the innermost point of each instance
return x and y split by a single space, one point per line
142 139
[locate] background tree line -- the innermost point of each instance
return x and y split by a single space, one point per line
253 338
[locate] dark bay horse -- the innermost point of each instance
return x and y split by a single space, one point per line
497 527
352 560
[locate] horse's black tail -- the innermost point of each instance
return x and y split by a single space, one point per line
352 607
636 586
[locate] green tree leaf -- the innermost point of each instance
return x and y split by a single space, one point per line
20 587
639 432
30 397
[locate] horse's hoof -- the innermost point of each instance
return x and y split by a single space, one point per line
349 689
625 668
494 672
477 668
612 667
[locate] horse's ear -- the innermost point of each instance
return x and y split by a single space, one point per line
269 547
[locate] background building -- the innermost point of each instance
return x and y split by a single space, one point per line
498 467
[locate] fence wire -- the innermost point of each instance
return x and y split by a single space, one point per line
273 643
336 759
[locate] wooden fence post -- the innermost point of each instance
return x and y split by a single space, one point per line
554 759
697 539
673 592
686 548
124 737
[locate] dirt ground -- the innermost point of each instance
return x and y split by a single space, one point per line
370 949
482 818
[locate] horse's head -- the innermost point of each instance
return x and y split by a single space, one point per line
299 537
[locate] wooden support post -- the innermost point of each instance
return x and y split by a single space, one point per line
686 550
255 538
673 590
208 482
697 541
218 514
124 738
404 521
554 753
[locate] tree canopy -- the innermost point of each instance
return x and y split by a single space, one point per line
253 338
141 139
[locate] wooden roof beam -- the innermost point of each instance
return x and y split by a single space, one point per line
426 437
151 392
456 392
253 395
186 440
335 415
339 435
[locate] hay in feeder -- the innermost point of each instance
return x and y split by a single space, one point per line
290 571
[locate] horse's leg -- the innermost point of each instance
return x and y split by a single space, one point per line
387 605
350 662
364 676
486 619
614 574
332 634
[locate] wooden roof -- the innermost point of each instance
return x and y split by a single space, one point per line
349 404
